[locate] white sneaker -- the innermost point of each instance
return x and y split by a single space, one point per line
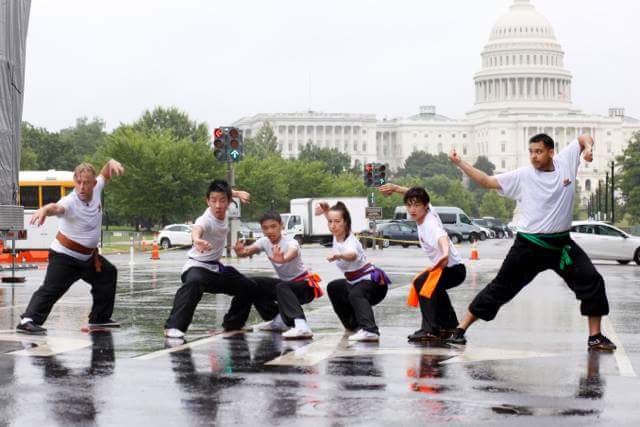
364 336
173 333
298 334
276 325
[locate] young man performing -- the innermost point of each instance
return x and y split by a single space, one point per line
294 286
364 285
203 271
74 254
438 316
544 193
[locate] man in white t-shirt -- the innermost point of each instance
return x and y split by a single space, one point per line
544 193
438 316
74 254
295 284
203 271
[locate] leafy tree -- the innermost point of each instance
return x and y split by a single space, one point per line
86 137
172 120
628 180
335 161
482 163
43 150
493 205
165 178
424 165
450 192
264 144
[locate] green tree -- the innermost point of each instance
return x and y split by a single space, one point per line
493 205
165 179
86 137
335 162
628 180
170 119
482 163
264 144
451 192
424 165
43 150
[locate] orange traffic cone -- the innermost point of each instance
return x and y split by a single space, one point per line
155 254
474 252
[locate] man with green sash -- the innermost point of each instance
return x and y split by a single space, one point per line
544 192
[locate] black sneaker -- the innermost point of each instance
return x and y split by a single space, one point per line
457 337
600 343
106 324
446 333
422 335
30 328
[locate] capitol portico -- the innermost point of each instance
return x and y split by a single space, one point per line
521 89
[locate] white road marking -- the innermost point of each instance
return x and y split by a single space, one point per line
624 364
216 337
45 345
311 354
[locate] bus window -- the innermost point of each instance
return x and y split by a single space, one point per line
29 197
50 194
67 190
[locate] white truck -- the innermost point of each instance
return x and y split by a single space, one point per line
302 224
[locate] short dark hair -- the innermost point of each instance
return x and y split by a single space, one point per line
346 216
219 186
544 138
417 194
270 216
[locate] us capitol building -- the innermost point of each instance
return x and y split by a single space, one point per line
522 89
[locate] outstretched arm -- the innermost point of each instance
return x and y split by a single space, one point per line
242 251
586 146
111 168
476 175
389 189
244 196
47 210
322 208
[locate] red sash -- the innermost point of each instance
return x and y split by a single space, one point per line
313 280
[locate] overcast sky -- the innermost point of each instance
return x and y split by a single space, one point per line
222 60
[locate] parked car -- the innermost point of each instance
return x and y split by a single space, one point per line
394 230
455 236
455 220
498 226
175 235
604 241
250 231
486 232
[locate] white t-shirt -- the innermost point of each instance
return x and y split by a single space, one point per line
215 232
429 232
81 221
351 244
544 199
289 270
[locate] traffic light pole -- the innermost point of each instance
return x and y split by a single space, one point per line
231 180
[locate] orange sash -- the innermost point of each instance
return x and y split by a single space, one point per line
426 289
77 247
313 279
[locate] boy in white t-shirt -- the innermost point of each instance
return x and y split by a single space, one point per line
544 193
74 251
439 319
295 284
203 271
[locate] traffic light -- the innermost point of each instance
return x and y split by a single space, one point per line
219 146
379 174
368 174
227 144
235 145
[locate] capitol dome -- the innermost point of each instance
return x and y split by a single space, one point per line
523 66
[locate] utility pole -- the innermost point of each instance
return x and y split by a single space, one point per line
606 195
613 189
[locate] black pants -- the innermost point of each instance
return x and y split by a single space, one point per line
62 272
525 260
289 295
197 280
437 311
352 303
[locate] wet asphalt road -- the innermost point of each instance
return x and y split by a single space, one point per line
529 366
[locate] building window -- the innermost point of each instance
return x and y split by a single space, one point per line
464 150
608 147
504 164
453 135
464 135
291 146
587 185
355 146
364 147
439 135
503 147
426 135
439 147
608 133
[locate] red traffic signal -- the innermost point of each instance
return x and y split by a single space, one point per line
217 133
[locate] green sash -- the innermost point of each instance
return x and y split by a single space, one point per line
536 239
